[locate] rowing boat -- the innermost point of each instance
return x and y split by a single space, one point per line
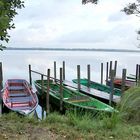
18 96
98 86
118 83
72 98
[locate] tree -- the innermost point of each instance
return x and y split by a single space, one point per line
8 10
87 1
130 9
133 9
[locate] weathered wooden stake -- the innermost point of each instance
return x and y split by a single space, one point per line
1 76
88 74
123 80
1 86
137 67
102 73
112 87
106 73
42 85
61 90
110 68
115 68
139 76
63 70
55 71
48 90
78 77
42 112
30 75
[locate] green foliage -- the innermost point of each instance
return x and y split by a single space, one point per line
87 1
130 105
7 13
110 122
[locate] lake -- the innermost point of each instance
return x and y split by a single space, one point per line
15 63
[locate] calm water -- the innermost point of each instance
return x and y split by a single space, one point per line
15 63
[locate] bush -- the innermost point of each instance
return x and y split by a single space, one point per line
130 105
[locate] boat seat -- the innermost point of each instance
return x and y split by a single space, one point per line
20 99
79 99
16 88
18 94
22 108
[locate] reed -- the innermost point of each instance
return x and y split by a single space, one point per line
130 105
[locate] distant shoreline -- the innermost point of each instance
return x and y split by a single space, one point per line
75 49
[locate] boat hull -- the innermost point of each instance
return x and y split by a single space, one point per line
18 96
74 100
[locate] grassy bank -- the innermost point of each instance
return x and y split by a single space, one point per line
124 125
70 126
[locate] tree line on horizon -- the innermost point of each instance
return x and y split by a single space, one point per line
8 10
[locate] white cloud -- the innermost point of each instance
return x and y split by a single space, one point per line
54 22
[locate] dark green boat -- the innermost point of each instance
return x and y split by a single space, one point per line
98 86
73 99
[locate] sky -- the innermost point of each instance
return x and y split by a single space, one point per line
69 24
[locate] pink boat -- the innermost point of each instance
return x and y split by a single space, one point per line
18 96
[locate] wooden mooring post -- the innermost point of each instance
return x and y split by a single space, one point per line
42 85
78 77
88 74
63 70
30 75
115 68
137 69
111 87
139 76
61 90
102 73
123 80
110 69
1 86
55 71
48 90
106 72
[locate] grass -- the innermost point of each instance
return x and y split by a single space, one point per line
73 126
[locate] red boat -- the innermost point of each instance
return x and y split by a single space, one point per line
18 96
118 83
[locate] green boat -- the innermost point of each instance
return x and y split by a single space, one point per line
98 86
73 99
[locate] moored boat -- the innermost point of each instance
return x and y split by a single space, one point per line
97 86
73 99
18 96
118 83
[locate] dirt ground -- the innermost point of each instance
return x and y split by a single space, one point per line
32 133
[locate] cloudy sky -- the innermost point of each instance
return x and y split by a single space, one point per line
68 23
